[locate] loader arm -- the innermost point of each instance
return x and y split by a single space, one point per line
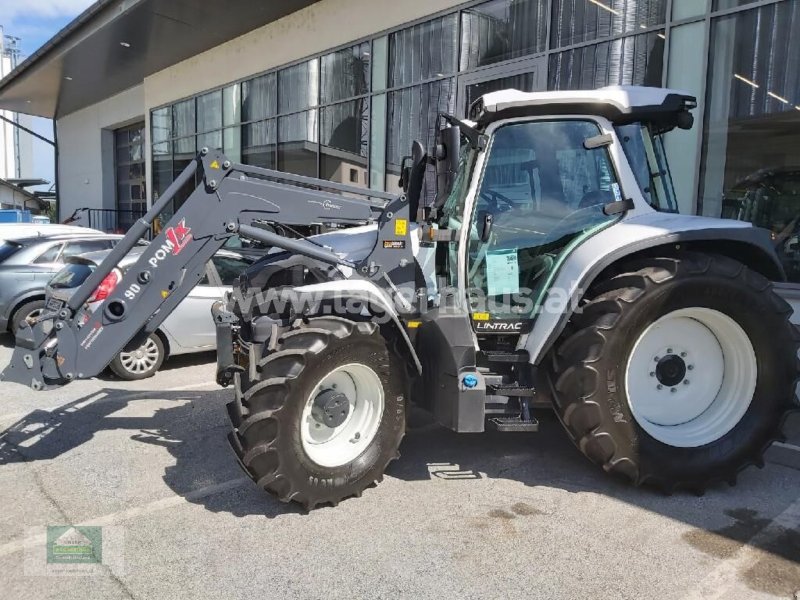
70 342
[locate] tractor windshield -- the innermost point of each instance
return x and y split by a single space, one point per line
542 192
648 160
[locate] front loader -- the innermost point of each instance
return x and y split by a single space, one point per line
551 269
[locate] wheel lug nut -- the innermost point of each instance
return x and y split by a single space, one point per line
673 390
669 350
690 367
652 373
659 387
683 354
657 359
685 382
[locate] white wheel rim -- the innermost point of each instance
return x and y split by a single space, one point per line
141 360
719 377
337 446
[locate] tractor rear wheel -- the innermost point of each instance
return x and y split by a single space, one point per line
678 372
324 414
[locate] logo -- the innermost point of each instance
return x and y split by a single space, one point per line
499 326
70 545
178 238
394 244
327 204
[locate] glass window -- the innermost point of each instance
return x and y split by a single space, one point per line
344 141
380 63
297 143
751 159
259 98
161 124
232 105
377 146
544 190
83 247
723 4
524 82
298 86
502 30
229 268
345 73
131 200
50 255
412 115
183 118
577 21
209 111
258 144
162 168
424 51
636 60
648 162
685 9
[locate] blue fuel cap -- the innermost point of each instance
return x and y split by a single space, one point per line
470 381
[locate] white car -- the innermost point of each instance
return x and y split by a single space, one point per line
18 231
190 327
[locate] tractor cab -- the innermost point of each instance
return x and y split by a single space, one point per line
522 184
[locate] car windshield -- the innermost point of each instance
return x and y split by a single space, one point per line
7 249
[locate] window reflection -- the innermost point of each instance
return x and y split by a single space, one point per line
345 73
751 159
423 51
297 143
258 144
577 21
501 30
298 86
636 60
344 142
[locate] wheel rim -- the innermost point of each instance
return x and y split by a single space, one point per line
691 377
355 390
143 359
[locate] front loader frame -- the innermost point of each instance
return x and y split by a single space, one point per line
69 342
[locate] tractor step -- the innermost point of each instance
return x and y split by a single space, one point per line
513 424
498 356
510 389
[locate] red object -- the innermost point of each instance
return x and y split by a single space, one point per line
106 286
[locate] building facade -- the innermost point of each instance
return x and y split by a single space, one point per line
340 88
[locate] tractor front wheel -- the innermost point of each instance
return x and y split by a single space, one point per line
678 372
324 414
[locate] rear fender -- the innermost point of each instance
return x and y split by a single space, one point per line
642 234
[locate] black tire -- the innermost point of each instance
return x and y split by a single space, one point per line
266 413
119 368
589 366
24 311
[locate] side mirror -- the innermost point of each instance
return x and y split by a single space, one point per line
412 175
448 145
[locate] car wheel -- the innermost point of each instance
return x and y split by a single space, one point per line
139 362
30 311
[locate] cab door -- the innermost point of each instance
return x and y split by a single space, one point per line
543 191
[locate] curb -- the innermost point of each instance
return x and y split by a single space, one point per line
787 455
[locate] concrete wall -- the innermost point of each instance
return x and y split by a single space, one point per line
86 151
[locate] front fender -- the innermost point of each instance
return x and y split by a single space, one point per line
365 292
582 267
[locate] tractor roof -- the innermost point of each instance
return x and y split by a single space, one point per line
664 108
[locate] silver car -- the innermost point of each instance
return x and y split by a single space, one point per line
190 328
28 263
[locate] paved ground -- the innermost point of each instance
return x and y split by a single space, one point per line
470 516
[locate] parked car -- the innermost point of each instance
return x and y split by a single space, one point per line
16 231
28 263
190 327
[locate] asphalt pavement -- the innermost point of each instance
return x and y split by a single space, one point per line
458 516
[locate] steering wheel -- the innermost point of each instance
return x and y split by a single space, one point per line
492 197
